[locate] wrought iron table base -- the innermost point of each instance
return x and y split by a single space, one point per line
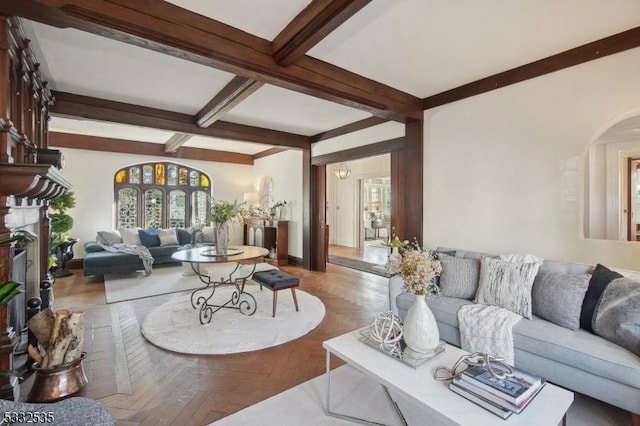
240 300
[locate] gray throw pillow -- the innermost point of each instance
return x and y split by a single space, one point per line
459 276
558 297
168 237
507 282
617 315
109 238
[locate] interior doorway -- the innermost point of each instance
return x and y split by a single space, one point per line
359 212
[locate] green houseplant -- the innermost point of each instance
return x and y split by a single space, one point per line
223 213
60 244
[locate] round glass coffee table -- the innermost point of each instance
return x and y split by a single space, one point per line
202 298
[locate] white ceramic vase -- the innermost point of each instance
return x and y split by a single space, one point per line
420 329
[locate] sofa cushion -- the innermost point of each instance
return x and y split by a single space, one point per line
208 235
600 279
459 276
184 236
149 237
130 236
159 252
507 282
168 237
579 349
617 315
92 247
107 258
558 297
109 238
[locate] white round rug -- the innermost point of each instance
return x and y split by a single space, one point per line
176 326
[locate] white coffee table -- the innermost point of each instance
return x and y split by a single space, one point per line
446 407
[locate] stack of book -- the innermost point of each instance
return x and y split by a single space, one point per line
502 397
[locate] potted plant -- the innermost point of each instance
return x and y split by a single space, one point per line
60 244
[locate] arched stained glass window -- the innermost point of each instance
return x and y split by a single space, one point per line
199 207
161 195
177 209
194 178
134 175
127 207
153 208
147 174
172 174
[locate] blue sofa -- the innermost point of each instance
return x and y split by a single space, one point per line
98 261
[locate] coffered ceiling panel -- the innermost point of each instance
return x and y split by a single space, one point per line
281 109
108 130
264 19
425 47
225 145
87 64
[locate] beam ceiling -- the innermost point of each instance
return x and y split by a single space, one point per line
77 106
237 90
176 141
311 25
169 29
97 143
616 43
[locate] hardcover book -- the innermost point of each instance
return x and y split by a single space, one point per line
514 389
476 390
501 412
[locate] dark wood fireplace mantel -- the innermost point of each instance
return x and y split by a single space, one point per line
35 181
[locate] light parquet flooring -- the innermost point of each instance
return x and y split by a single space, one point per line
141 384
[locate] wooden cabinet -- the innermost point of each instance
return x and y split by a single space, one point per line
270 234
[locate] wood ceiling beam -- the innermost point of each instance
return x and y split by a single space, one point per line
78 106
169 29
237 90
96 143
616 43
314 23
348 128
268 152
176 141
350 154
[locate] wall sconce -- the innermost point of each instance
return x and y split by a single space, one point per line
342 172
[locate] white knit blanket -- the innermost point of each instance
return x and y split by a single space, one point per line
488 329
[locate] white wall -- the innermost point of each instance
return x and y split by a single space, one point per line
91 174
285 170
504 170
343 216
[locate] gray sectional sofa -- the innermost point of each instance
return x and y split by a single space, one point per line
578 360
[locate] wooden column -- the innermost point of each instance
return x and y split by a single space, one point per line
412 169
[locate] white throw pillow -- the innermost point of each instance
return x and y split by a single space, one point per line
130 236
168 237
109 238
506 282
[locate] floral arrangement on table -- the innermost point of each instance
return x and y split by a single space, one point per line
417 266
226 212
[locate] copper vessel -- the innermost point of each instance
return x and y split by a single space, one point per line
52 384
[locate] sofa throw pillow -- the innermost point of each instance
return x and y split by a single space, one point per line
558 297
109 238
149 237
459 276
506 282
184 236
130 236
600 279
617 314
168 237
208 235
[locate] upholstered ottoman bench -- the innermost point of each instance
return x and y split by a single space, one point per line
276 280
